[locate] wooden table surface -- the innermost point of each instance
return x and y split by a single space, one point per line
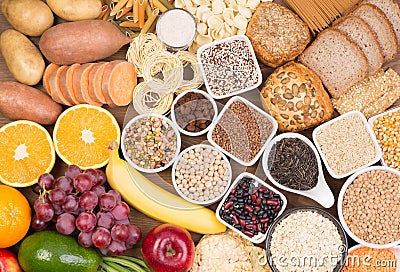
125 113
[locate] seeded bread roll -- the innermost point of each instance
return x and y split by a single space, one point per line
360 33
382 28
293 94
337 60
277 34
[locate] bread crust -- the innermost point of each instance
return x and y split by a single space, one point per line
294 95
266 46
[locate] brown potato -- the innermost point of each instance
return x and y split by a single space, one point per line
76 10
19 101
30 17
22 57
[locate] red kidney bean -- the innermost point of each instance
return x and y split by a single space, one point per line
228 204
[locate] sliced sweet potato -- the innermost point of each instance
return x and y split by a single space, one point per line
49 69
121 83
85 84
54 84
105 82
63 86
76 78
98 77
91 97
70 82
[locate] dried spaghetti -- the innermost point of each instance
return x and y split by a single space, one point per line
145 100
140 48
319 14
166 64
188 58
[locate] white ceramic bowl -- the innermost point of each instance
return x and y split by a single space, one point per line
208 202
371 133
321 193
274 128
148 170
395 250
371 121
209 98
340 209
215 43
260 237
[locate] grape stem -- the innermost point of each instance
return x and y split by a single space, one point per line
123 264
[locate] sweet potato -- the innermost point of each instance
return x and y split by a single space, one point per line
91 95
118 83
63 84
76 81
105 81
47 72
85 84
19 101
70 82
54 81
81 41
98 77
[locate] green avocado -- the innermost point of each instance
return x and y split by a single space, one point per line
49 251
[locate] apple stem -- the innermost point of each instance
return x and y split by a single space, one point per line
170 251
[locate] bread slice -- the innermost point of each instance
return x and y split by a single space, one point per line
381 26
392 11
337 60
359 32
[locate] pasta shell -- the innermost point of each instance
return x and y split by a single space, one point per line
241 31
215 21
180 4
215 32
233 5
252 4
228 16
202 28
192 10
201 2
203 13
228 30
242 2
218 6
246 12
240 22
203 39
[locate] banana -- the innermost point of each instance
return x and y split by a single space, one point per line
155 202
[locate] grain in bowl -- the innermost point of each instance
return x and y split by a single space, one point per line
346 144
306 239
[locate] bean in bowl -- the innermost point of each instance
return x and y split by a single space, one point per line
150 142
371 207
201 174
193 112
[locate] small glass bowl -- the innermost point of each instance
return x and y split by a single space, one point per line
207 202
214 118
150 170
342 248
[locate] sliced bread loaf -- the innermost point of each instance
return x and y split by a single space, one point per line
337 60
382 28
392 11
359 32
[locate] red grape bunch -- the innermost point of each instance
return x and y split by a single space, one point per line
79 201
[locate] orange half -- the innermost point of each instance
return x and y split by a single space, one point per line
82 134
27 151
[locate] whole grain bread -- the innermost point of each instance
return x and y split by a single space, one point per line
392 11
277 34
381 26
360 33
337 60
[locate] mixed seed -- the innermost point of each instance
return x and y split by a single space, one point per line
229 67
293 164
150 142
251 207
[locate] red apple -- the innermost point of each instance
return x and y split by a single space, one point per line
8 261
168 248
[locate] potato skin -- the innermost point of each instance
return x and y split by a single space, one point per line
22 102
76 10
30 17
22 57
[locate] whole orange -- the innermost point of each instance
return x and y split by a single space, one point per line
15 216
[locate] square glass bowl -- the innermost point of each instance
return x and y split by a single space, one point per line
396 145
125 149
345 150
240 129
223 70
260 237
